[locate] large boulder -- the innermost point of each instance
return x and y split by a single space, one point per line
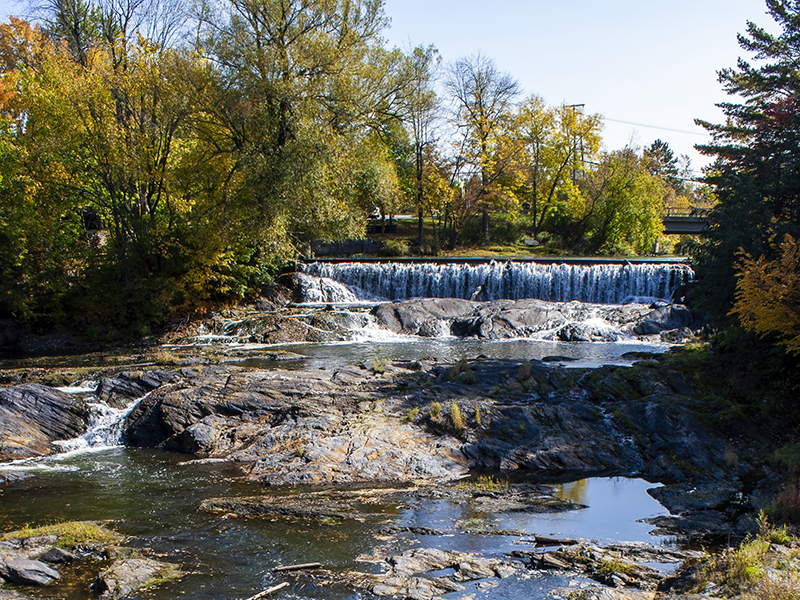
33 416
22 571
429 317
665 318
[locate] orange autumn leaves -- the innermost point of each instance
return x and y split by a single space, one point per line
768 295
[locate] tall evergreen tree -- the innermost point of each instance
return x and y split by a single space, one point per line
757 169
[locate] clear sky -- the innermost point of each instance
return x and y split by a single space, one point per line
650 63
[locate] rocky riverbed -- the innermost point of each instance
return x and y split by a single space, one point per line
410 421
391 431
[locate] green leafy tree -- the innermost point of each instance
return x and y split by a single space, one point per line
421 109
484 98
756 174
618 209
550 149
42 242
301 86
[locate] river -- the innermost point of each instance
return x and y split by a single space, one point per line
155 496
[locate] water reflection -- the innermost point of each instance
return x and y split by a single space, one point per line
155 496
330 356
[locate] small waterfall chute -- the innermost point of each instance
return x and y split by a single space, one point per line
104 430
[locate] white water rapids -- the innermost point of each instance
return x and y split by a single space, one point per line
105 425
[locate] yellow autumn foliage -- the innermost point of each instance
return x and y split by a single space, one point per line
768 295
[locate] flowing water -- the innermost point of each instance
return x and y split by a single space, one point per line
559 282
155 495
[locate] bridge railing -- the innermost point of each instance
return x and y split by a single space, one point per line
699 213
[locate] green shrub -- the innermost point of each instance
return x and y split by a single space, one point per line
436 411
394 248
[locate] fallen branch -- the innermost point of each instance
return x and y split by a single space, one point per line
297 567
266 592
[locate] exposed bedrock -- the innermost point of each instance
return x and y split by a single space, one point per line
354 424
413 421
505 319
33 416
295 427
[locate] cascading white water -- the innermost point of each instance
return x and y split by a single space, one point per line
599 284
324 290
104 429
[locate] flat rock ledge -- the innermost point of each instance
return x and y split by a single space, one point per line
360 503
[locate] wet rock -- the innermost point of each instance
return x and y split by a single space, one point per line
32 416
672 316
11 595
428 317
121 388
684 498
416 588
22 571
557 358
57 556
126 576
303 506
395 529
610 567
507 319
12 476
603 593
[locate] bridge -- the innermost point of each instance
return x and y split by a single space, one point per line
685 221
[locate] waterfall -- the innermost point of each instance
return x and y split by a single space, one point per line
104 429
560 282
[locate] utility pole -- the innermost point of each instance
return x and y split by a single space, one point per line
575 144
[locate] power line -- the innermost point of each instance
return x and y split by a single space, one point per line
655 127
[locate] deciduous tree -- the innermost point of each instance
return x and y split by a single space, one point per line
484 97
550 148
768 295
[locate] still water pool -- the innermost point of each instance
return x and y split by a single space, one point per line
155 496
